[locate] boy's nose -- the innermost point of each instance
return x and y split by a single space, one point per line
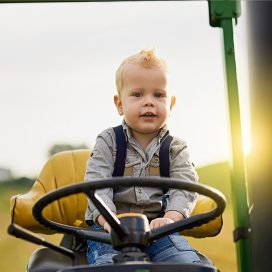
149 101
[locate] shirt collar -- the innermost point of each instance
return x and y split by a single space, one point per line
128 133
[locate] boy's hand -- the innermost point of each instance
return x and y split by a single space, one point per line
107 227
169 217
174 215
102 222
159 222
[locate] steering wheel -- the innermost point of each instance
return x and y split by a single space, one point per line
121 235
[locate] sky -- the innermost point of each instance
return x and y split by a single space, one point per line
57 69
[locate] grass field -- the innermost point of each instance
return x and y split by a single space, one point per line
14 253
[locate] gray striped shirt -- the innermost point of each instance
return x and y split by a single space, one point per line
140 163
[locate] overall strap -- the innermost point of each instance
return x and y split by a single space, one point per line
121 152
164 159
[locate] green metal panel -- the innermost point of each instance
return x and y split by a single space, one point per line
223 9
222 14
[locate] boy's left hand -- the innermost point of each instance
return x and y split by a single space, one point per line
169 217
159 222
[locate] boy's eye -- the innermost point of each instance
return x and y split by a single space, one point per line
137 94
159 94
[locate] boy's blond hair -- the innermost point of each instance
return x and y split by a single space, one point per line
146 58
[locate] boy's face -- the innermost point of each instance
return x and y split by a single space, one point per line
143 99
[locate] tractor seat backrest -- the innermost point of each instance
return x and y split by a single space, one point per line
62 169
66 168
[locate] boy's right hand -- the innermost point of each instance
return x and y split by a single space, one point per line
102 222
107 227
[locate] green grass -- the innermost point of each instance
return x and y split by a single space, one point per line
220 249
14 253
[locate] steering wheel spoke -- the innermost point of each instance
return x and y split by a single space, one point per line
109 216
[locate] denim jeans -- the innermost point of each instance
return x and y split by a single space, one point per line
172 248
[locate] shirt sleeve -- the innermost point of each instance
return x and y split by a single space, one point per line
100 165
181 168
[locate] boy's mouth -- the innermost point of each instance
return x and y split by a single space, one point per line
148 114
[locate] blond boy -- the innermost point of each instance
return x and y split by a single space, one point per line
143 101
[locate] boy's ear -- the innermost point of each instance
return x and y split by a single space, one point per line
173 102
118 104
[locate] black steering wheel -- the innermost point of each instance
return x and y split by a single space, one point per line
121 236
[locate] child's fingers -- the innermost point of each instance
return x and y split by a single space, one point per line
159 222
107 227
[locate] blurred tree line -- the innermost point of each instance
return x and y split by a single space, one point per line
63 147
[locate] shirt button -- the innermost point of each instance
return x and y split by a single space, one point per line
156 159
140 190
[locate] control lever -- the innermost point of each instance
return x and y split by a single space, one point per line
27 235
